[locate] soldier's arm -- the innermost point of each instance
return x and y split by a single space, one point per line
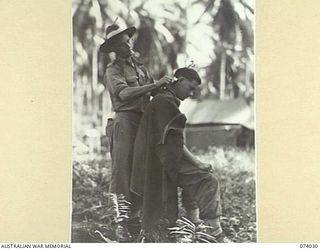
133 92
128 93
119 87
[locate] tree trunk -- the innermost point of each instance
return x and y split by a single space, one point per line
95 98
223 75
247 77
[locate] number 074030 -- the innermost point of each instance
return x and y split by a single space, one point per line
304 245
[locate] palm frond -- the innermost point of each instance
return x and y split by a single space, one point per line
209 7
120 206
105 239
247 6
187 232
204 237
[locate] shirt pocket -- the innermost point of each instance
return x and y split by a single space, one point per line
132 80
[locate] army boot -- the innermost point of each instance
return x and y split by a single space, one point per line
194 216
216 230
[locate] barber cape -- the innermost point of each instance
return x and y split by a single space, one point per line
161 125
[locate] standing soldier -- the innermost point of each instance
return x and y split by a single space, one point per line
130 87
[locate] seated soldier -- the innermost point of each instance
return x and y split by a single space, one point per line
162 163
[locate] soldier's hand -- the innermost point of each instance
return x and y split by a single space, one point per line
164 80
205 166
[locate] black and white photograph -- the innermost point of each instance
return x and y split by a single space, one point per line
163 137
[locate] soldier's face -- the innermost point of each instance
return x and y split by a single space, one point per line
185 88
123 47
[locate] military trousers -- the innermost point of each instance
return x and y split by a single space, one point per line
200 190
124 132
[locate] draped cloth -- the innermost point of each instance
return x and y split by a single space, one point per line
154 176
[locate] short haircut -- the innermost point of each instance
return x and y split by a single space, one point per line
188 73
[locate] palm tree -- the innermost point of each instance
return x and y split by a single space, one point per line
233 38
162 35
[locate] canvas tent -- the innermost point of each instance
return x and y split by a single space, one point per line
218 122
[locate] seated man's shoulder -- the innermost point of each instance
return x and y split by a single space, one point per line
163 104
162 99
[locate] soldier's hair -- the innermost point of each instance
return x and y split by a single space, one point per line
188 73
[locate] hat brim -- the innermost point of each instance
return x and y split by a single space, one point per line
105 47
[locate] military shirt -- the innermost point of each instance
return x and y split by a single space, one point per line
123 74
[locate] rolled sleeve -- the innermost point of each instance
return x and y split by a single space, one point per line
115 81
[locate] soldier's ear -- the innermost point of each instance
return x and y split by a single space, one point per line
180 79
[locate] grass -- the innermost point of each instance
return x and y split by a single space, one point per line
93 217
